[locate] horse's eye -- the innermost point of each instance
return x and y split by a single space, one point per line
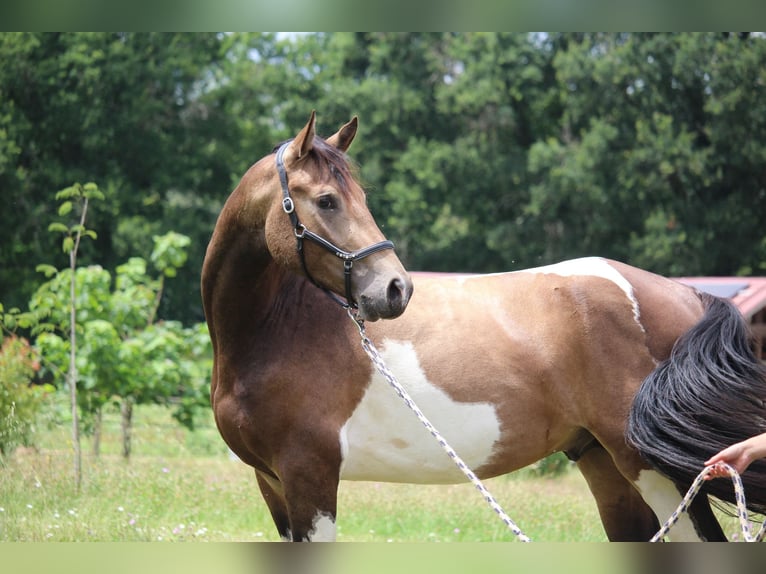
327 202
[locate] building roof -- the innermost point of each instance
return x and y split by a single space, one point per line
747 293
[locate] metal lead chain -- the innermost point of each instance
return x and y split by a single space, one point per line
377 360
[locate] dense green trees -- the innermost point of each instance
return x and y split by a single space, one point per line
499 151
659 159
123 110
482 151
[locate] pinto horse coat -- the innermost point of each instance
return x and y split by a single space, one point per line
509 367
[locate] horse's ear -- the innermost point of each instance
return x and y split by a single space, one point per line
303 142
345 135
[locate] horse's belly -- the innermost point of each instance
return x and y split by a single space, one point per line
384 440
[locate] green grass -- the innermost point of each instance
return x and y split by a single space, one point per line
184 486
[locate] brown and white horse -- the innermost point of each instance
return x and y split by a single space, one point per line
509 367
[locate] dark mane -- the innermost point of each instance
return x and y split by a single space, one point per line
331 162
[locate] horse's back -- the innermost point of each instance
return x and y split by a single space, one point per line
552 297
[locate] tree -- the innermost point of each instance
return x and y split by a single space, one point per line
654 162
123 109
447 120
38 318
125 356
489 151
79 195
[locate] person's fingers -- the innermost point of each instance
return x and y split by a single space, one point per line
716 471
728 454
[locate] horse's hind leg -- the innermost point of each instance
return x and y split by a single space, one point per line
624 514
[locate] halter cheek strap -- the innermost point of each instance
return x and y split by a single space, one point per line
301 233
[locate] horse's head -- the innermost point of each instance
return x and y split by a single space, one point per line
319 225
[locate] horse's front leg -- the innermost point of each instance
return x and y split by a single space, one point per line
305 497
274 496
303 510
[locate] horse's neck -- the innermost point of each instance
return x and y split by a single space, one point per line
239 276
248 296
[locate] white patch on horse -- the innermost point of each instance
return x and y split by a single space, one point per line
384 440
594 267
663 497
323 528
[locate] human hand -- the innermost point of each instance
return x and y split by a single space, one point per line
738 456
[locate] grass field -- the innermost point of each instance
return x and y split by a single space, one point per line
184 486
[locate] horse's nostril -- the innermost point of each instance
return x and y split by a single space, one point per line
398 294
395 292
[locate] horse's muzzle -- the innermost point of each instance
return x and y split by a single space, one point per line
389 303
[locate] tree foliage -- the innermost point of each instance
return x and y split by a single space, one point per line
123 354
481 151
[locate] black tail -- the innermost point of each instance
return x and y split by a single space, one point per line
709 394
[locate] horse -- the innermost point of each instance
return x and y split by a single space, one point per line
510 367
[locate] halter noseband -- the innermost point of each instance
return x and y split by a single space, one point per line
301 233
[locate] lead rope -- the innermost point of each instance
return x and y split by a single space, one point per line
377 360
739 493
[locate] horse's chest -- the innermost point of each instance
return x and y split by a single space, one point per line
384 440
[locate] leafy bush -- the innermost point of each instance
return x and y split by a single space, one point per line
20 400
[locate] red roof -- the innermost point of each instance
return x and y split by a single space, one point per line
747 293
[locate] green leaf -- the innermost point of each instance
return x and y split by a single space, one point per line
91 191
90 233
46 327
68 193
47 270
67 245
26 320
65 208
58 227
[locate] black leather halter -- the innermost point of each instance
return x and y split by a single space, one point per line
302 233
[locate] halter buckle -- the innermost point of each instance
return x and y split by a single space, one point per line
287 205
